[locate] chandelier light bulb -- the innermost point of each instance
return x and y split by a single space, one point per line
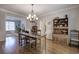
32 16
36 18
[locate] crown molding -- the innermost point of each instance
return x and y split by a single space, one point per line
61 10
10 12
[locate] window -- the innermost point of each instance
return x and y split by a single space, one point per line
10 25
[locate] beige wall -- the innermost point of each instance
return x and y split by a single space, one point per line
73 18
2 26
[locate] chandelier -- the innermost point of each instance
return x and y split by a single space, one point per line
32 16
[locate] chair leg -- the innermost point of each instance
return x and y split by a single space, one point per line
24 42
36 44
21 42
70 42
30 47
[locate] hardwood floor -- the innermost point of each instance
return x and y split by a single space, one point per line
57 48
11 46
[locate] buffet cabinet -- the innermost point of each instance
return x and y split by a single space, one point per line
60 29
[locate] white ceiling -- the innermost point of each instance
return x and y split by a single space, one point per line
39 9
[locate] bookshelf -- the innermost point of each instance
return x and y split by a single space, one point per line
60 30
60 25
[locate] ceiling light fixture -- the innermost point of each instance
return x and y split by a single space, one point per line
32 16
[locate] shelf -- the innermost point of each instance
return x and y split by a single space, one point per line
75 40
61 27
60 34
74 36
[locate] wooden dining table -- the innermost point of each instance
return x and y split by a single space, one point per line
33 36
30 35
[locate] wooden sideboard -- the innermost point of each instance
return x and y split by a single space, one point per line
60 30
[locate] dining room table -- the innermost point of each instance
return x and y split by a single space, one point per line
35 37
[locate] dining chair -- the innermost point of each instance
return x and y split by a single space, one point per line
31 42
22 38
